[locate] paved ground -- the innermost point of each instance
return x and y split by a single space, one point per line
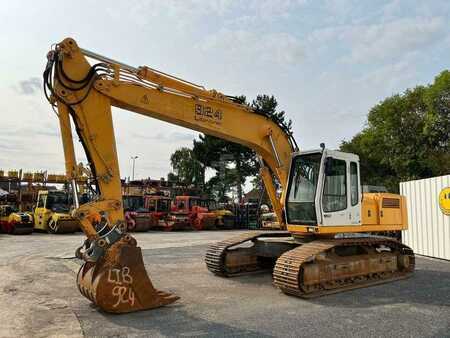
38 297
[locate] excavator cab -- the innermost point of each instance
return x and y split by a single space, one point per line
324 196
323 190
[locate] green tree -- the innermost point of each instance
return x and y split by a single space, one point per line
219 154
437 123
406 137
267 105
186 167
171 177
221 184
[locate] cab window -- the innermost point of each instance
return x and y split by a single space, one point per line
335 187
9 210
302 189
354 183
193 202
41 201
151 205
163 205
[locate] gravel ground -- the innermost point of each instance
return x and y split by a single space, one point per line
38 297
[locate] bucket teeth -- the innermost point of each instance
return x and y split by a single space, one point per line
118 283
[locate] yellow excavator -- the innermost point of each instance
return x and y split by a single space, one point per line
327 244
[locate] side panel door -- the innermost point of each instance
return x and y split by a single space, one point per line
335 192
340 201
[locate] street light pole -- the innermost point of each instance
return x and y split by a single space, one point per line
133 158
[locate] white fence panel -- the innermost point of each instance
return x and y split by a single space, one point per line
429 227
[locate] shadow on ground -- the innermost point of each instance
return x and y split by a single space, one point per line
428 287
172 321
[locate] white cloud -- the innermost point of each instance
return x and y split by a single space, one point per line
389 78
393 38
250 46
387 40
269 9
376 42
180 13
29 86
186 13
392 9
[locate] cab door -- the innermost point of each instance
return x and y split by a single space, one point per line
41 212
354 197
340 201
335 192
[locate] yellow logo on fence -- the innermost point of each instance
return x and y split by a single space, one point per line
444 201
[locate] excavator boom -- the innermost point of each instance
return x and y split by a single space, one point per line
83 95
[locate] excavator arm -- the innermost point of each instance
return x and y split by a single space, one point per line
113 276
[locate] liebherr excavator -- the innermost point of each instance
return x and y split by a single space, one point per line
325 247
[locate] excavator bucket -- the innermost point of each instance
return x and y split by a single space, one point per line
118 282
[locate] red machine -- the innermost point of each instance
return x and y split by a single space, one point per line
138 218
159 209
187 212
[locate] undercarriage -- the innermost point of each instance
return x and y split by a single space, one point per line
311 267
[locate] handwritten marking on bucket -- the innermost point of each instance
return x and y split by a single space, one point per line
118 282
122 282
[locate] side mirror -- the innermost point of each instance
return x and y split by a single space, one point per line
328 166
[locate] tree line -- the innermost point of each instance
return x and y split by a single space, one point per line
406 136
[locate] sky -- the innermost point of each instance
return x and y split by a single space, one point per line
326 61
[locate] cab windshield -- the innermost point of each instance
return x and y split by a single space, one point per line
133 203
58 202
302 189
209 204
163 205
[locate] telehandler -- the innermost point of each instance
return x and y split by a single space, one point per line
327 246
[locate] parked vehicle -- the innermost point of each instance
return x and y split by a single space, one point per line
159 208
52 212
138 218
15 222
188 212
225 219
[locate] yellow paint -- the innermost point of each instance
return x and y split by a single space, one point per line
309 230
375 217
444 201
